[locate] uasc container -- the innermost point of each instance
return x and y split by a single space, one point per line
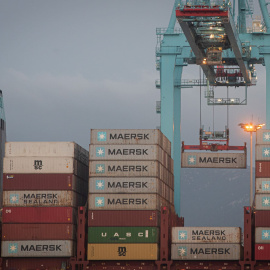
123 235
124 218
130 136
11 232
46 149
38 248
42 198
196 235
37 215
205 251
122 252
262 169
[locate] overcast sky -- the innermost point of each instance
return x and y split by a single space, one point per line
69 66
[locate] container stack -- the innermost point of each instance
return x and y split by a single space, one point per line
262 195
131 178
206 243
44 183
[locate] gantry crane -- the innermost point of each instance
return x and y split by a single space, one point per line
213 37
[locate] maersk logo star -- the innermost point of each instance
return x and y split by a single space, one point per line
266 152
100 168
100 152
266 185
99 201
191 160
266 136
265 234
266 201
182 251
182 235
14 198
100 184
13 248
102 136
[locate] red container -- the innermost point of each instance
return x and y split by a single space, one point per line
262 169
44 182
36 215
262 252
262 218
35 263
123 218
12 232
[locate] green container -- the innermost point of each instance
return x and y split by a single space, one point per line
123 235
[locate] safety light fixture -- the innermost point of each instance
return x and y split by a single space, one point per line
251 128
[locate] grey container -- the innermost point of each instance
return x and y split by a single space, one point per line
126 202
205 252
38 248
262 185
45 165
42 198
263 136
130 136
131 152
262 235
262 152
46 149
130 169
262 201
213 160
206 235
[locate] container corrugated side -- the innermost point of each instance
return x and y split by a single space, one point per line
263 136
45 165
11 232
44 182
213 160
129 169
262 169
262 235
38 248
262 252
262 218
123 218
205 252
262 201
38 215
46 149
130 152
130 136
262 152
123 235
122 252
42 198
126 202
195 235
35 263
262 185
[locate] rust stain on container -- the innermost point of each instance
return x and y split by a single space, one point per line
123 218
122 251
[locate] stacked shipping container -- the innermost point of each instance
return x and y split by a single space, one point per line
262 195
206 243
44 183
131 178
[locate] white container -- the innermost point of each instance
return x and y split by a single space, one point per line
38 248
262 152
42 198
213 160
262 201
130 136
262 185
46 149
206 235
45 165
263 136
205 252
262 235
126 202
